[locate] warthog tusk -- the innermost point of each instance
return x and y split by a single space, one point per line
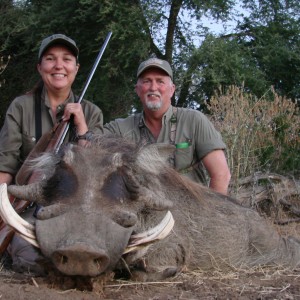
26 230
152 235
29 240
10 217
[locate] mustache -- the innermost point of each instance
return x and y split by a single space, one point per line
157 94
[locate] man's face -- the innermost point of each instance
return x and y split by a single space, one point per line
155 89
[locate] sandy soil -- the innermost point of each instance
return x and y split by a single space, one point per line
260 283
267 283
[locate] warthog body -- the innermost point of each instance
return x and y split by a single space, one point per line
95 198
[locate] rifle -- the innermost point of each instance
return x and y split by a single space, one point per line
50 141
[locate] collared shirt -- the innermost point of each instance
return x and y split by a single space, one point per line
18 134
195 137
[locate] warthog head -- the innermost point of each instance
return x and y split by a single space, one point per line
91 201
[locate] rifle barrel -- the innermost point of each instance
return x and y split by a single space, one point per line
94 66
66 129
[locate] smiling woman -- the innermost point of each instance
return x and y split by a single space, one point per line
58 69
35 113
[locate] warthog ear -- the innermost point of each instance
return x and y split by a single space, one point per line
153 157
153 161
166 152
68 154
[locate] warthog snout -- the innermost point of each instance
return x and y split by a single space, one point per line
80 259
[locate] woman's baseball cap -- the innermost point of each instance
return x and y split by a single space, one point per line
58 39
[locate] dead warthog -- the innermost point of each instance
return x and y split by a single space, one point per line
101 206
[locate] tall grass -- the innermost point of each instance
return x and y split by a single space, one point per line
260 134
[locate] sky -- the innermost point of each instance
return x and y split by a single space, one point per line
223 27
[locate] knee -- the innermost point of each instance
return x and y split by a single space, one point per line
25 257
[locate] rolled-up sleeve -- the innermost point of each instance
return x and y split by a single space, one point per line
207 138
94 117
11 140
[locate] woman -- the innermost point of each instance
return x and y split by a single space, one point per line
35 113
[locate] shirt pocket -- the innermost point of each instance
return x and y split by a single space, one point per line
184 157
28 142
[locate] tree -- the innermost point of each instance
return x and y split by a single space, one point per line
276 50
263 51
14 44
172 30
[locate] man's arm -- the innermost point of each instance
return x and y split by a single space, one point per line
216 165
112 128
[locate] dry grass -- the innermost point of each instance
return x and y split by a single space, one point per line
255 283
258 132
263 152
261 282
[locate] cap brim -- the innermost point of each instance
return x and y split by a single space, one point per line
152 67
60 41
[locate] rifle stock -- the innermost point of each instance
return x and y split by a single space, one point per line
6 235
50 141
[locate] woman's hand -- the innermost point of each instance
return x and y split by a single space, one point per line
75 109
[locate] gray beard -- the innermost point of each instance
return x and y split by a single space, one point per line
154 105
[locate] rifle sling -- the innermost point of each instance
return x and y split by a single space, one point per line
38 116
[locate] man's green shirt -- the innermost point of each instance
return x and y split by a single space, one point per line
195 137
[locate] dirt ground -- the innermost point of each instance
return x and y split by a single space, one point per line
259 283
267 283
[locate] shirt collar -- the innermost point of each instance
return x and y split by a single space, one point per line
70 99
60 108
166 117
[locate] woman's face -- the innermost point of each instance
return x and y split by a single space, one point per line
58 68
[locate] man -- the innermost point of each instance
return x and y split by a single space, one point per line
197 142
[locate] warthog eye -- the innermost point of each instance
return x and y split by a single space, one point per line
62 184
115 187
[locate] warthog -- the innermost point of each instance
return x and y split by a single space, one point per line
100 202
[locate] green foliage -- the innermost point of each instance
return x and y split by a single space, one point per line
87 22
277 52
15 43
262 51
223 62
284 153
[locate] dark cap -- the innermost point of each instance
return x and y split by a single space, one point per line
58 39
155 63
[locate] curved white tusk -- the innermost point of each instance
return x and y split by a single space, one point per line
29 240
11 209
10 216
152 235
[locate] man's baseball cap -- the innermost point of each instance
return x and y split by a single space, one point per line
155 63
58 39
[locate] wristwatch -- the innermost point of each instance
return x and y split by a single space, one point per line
86 136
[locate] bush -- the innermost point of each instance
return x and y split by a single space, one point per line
260 134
